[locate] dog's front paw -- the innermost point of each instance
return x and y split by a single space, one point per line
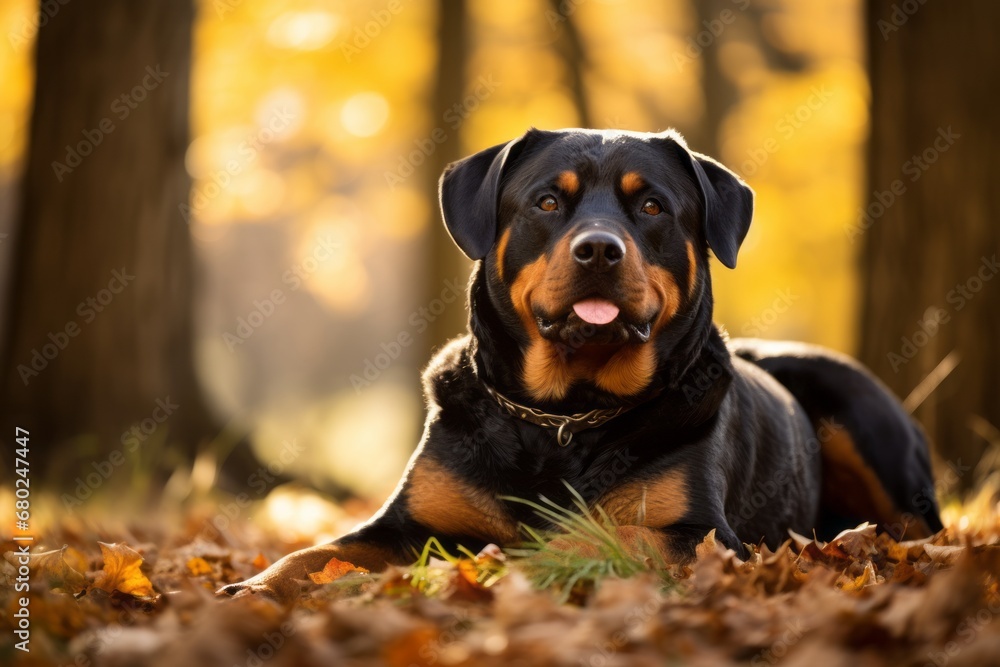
280 590
286 579
272 584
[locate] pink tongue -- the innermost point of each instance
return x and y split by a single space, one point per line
596 311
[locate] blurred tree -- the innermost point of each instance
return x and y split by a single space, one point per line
98 351
446 261
574 54
929 227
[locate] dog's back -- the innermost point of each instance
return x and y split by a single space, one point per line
875 460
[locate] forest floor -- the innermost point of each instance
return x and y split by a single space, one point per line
144 596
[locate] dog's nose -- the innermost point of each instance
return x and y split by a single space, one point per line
597 250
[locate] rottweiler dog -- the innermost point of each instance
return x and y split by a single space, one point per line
592 363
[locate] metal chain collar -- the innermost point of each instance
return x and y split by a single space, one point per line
567 425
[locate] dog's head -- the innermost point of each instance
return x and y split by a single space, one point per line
594 247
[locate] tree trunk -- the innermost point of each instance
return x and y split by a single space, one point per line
99 319
446 261
928 232
574 54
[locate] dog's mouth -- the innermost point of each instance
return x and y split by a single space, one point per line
594 321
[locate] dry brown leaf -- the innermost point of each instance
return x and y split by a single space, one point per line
707 545
944 555
54 567
465 584
333 570
866 578
198 566
853 543
122 571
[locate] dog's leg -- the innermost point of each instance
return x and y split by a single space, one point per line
388 539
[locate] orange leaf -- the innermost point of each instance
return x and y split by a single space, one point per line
121 571
333 570
260 562
198 566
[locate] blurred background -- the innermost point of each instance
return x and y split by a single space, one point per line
223 263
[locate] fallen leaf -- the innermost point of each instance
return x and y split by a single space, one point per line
260 562
198 566
465 584
122 571
333 570
866 578
944 555
53 566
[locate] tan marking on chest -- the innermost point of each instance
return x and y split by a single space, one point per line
655 503
451 507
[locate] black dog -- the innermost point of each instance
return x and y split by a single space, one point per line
592 361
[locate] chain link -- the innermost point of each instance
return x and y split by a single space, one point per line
567 425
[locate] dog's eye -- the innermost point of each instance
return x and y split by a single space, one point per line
652 207
548 203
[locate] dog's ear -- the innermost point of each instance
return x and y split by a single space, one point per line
470 192
727 200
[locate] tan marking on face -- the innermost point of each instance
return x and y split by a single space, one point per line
656 503
450 507
665 292
501 251
527 281
569 182
549 370
631 182
692 269
851 487
545 373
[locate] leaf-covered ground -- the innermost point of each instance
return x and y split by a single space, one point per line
142 594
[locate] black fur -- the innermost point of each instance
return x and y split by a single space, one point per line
741 422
